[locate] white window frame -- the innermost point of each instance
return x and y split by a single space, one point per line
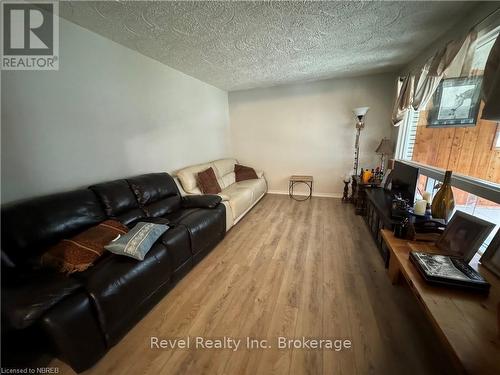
403 141
496 140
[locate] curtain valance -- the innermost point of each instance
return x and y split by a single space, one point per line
490 92
455 58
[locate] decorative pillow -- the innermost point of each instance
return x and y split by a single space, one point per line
81 251
138 241
244 173
207 182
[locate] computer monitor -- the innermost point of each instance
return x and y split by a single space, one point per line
404 180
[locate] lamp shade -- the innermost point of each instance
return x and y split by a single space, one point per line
385 147
360 112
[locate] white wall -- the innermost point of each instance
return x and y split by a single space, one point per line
109 112
309 128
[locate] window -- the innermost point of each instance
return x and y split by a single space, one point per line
470 150
496 142
467 202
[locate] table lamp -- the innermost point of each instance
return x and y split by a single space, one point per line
384 148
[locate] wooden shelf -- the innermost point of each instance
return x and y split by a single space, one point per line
466 322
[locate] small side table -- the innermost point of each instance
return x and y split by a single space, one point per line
307 180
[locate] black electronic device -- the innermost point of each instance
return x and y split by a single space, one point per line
404 181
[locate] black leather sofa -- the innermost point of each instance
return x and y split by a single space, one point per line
77 318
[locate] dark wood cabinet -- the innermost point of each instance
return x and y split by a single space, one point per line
377 214
359 194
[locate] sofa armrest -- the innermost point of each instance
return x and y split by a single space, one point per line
180 187
201 201
223 196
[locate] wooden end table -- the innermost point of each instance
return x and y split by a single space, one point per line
307 180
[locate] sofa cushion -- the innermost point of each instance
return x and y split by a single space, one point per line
118 201
187 177
119 285
240 198
79 252
244 173
178 245
28 228
228 179
25 297
207 182
257 186
224 166
157 193
224 170
206 227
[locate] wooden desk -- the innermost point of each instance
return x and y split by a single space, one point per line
466 322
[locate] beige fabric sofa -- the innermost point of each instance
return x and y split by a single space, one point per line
238 197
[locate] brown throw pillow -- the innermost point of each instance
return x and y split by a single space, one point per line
81 251
244 173
207 182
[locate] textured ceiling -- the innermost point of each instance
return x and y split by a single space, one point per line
240 45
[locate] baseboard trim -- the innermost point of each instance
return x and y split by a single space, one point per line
319 195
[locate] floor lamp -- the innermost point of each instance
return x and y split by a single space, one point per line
360 114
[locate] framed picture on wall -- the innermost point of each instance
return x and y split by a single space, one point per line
455 102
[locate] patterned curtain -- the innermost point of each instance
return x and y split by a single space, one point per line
490 92
403 100
455 52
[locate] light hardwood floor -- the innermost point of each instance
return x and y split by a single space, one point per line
287 269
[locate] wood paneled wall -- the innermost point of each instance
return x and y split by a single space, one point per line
464 150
